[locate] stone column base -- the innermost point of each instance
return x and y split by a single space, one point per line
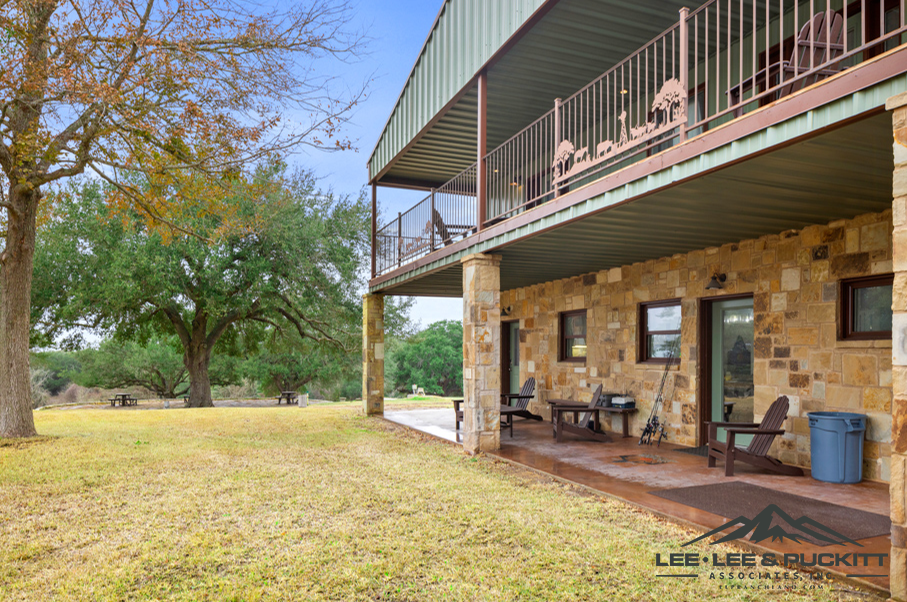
898 491
481 352
373 354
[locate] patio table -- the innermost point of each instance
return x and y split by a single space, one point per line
124 399
288 396
576 408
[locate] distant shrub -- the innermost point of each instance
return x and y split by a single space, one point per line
248 389
351 389
39 394
70 394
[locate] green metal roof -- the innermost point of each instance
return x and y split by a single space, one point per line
570 45
465 35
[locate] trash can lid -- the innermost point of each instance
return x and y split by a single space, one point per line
836 415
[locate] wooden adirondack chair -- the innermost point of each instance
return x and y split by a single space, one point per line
756 453
512 405
588 426
446 233
517 404
820 42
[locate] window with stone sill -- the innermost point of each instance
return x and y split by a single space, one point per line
865 308
659 331
572 347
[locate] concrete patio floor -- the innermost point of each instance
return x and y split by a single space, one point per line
624 470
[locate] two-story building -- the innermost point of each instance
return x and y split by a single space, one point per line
612 185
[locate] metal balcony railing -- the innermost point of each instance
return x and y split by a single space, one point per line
718 62
446 215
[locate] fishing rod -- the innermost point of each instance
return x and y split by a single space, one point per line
653 424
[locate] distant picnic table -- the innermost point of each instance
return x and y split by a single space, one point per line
124 399
288 396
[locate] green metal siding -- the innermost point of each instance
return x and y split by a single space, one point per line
465 36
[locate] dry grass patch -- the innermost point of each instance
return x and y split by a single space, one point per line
309 504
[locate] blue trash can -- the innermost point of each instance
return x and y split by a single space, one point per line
836 444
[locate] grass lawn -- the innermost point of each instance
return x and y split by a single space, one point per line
307 504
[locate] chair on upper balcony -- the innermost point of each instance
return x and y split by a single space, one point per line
821 41
446 233
756 453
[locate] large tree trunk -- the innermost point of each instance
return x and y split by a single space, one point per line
198 358
16 263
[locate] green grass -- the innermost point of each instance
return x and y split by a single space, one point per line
310 504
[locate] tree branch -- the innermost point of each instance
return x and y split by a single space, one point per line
181 329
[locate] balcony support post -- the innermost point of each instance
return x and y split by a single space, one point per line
684 34
481 353
374 229
482 150
373 354
431 233
897 105
557 136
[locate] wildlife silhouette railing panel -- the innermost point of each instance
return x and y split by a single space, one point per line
630 110
717 63
725 59
446 215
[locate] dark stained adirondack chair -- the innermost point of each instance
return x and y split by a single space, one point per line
446 233
756 453
821 41
587 426
515 405
512 405
458 411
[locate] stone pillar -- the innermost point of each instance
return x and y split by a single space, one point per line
373 354
898 560
481 352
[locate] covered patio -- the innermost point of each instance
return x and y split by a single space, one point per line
642 475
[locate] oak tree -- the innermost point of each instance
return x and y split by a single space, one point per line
291 263
163 89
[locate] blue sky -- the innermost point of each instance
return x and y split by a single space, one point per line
397 29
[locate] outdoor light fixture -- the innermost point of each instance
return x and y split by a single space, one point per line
715 283
624 91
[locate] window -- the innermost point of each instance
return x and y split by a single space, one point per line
573 336
659 331
866 308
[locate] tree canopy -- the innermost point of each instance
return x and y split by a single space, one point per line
288 267
432 359
163 101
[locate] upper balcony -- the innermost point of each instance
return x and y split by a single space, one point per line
712 66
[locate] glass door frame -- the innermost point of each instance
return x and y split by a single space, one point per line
506 356
705 359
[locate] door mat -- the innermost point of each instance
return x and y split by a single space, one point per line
702 450
641 459
779 515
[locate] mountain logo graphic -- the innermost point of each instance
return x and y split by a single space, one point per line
800 530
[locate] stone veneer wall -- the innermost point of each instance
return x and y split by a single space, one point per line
794 277
373 354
